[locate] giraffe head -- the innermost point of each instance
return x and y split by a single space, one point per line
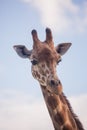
44 58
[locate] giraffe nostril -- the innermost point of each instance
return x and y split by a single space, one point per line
52 82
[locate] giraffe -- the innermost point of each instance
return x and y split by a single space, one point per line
44 58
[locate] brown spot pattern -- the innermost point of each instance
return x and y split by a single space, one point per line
62 99
43 65
67 127
43 79
44 87
47 71
37 75
59 118
52 102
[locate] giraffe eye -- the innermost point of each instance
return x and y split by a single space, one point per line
59 61
34 62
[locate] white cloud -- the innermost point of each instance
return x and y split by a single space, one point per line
22 112
61 15
19 111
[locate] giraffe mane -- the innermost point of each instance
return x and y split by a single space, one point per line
79 124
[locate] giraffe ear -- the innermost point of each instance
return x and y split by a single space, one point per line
22 51
63 47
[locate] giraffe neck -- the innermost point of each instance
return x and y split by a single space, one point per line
60 113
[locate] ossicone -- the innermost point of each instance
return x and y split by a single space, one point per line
34 35
48 35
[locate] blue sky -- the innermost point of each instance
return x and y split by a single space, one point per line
68 21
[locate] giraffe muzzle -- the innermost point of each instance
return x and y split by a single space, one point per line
54 83
55 86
